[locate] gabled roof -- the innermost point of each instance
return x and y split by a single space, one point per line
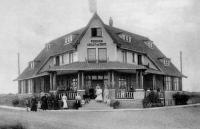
137 44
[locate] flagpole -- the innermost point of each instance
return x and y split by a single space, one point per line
181 61
18 62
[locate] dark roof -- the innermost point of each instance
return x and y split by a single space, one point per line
84 66
137 44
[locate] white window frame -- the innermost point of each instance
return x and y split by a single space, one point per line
68 39
176 84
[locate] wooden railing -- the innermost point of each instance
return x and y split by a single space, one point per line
120 94
70 95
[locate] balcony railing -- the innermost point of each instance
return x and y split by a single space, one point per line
122 94
70 95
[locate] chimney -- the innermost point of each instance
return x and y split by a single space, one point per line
110 21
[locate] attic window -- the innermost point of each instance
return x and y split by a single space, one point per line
68 39
166 62
32 64
125 37
149 44
48 46
96 32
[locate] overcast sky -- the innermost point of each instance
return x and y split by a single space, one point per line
26 25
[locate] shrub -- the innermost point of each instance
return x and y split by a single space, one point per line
115 104
16 126
15 102
180 98
152 100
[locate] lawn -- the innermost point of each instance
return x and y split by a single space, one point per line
172 118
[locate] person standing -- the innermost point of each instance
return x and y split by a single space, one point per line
64 99
105 94
44 102
99 97
33 104
78 101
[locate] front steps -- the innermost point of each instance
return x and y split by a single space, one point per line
93 105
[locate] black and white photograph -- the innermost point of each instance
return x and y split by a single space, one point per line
99 64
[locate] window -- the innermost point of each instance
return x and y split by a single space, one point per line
122 82
61 59
68 39
57 61
168 83
139 59
126 37
133 57
102 54
32 64
124 56
149 44
91 54
96 32
166 62
176 84
71 59
48 46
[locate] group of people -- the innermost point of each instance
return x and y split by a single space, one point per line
102 96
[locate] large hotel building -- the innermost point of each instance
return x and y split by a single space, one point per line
100 54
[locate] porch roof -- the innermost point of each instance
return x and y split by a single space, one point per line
84 66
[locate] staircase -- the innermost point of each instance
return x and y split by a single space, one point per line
93 105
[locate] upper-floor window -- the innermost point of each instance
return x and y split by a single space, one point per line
168 83
102 54
91 53
32 64
133 57
124 56
68 39
48 46
166 62
125 37
56 60
139 59
71 57
149 44
96 32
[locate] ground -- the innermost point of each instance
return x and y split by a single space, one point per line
165 118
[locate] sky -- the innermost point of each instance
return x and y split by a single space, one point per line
26 25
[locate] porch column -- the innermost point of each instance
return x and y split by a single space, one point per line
141 80
113 80
54 82
19 87
82 81
51 81
137 83
154 82
78 88
42 84
109 80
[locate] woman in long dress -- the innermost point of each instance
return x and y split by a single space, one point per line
99 94
105 94
64 99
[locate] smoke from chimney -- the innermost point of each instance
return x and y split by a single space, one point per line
111 21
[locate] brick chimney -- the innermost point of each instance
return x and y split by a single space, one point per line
110 21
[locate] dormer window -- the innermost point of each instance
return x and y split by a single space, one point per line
166 62
149 44
68 39
32 64
48 46
125 37
96 32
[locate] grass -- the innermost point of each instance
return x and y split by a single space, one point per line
176 118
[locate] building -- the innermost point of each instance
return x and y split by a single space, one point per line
101 54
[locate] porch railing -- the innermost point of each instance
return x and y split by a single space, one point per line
70 95
120 94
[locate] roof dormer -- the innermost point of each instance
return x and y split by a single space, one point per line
32 64
125 37
68 39
48 46
149 43
166 61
